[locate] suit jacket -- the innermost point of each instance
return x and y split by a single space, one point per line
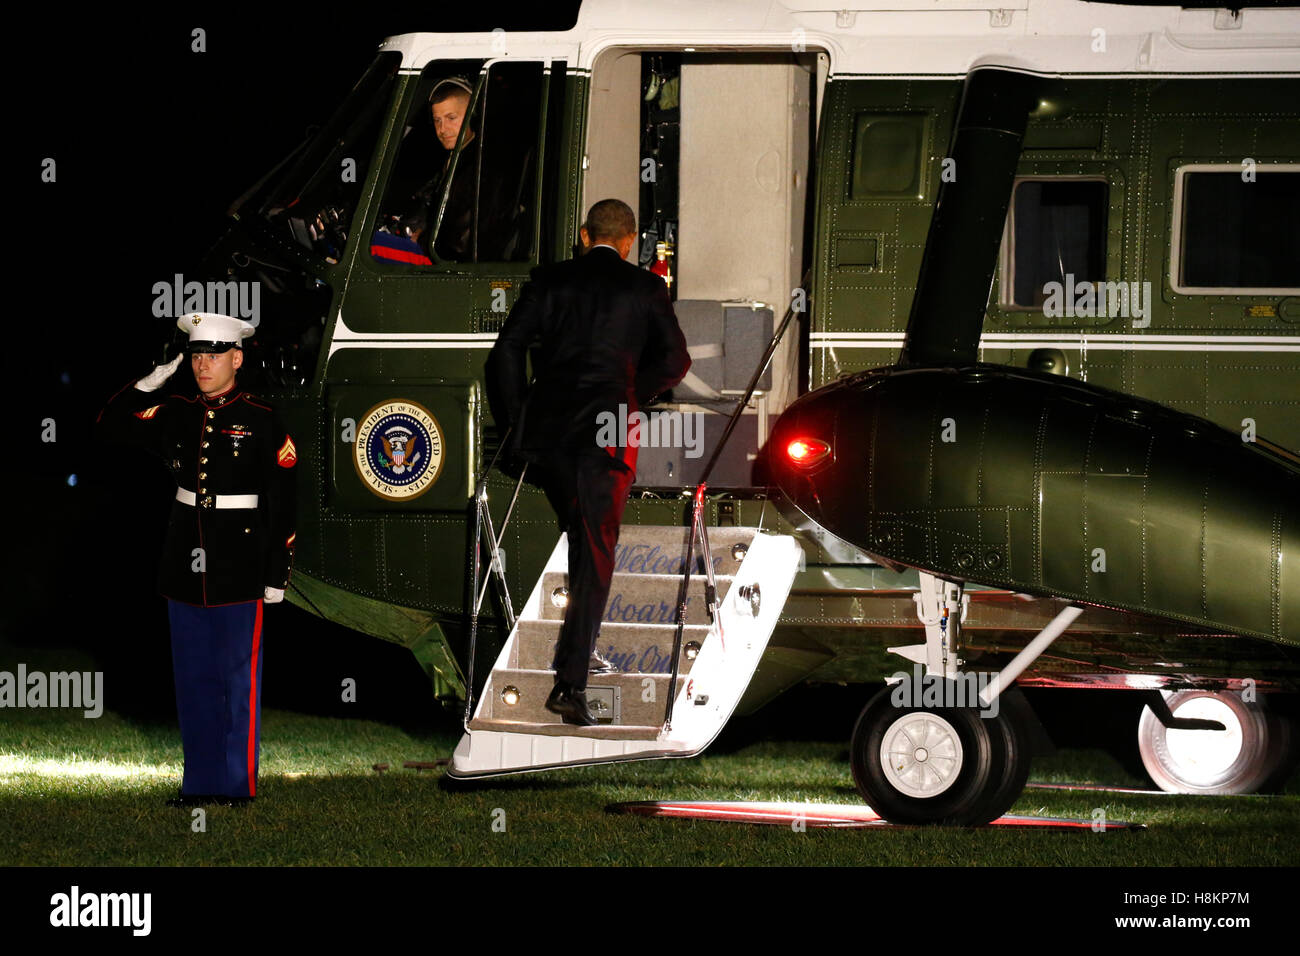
607 336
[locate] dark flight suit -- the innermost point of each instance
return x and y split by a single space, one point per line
494 192
455 241
222 549
606 336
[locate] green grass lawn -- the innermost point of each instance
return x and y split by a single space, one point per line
91 792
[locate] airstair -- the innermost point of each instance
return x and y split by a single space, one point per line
689 614
716 654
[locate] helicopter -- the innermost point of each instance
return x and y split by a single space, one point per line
993 319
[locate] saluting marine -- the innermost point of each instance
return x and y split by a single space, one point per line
229 545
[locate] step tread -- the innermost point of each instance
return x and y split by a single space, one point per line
628 642
647 549
600 732
549 624
652 597
535 686
695 578
591 678
657 530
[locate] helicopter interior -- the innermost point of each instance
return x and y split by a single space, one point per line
714 152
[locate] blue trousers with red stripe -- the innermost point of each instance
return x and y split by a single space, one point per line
217 663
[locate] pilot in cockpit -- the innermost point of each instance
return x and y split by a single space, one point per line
418 186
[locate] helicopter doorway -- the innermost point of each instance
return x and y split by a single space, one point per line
713 151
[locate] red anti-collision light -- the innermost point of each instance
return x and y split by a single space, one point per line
807 451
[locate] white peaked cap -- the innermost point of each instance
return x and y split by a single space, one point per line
214 332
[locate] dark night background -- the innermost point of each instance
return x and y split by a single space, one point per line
152 144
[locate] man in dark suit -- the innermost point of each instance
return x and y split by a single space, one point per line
606 336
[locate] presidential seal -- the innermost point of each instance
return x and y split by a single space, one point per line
398 450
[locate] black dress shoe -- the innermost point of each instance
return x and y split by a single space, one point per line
190 800
208 799
599 665
571 705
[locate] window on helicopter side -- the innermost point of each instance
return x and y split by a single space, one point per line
1234 230
1056 239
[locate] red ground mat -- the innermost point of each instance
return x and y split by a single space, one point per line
819 815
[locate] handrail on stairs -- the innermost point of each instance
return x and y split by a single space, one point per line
697 522
496 572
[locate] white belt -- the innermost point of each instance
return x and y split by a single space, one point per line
216 501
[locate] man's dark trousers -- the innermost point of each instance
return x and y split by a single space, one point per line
588 489
217 663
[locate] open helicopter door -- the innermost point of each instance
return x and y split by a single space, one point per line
511 731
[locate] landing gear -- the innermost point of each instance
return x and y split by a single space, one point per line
946 747
1014 719
1254 752
958 765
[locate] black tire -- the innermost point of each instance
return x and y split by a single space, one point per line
1283 750
967 768
1013 723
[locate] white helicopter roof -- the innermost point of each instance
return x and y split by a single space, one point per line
910 37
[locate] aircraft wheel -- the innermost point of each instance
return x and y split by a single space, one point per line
1284 747
1240 759
1013 722
917 764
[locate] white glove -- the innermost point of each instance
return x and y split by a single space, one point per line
159 375
273 595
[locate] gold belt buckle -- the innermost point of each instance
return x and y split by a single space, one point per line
206 501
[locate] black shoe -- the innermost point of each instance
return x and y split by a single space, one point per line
191 800
208 799
571 705
598 665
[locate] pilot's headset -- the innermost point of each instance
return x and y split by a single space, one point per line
458 82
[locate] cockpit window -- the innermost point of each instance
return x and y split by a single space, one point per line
314 192
463 188
293 224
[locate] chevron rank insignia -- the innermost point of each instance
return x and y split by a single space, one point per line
287 456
